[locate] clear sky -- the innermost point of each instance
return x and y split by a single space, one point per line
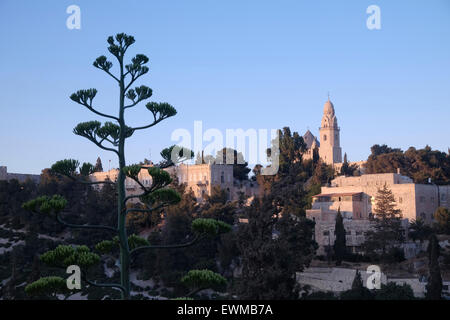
232 64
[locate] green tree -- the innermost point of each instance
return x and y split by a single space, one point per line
231 156
387 231
198 280
322 174
434 285
272 250
442 217
419 164
358 290
218 207
111 136
385 205
287 187
418 230
340 247
347 169
393 291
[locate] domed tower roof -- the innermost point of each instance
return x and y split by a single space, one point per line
329 118
328 107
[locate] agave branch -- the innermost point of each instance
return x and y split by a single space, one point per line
85 97
83 226
173 246
160 111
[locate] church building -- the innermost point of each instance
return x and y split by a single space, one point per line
329 149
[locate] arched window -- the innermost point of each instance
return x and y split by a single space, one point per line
324 137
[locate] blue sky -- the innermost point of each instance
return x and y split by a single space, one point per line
231 64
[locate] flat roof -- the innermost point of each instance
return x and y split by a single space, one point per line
342 194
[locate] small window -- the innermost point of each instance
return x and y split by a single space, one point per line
324 137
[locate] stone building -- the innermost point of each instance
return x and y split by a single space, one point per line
328 147
21 177
355 197
200 178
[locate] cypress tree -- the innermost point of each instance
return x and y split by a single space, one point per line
339 243
434 286
358 291
357 283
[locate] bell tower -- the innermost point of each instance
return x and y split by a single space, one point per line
330 150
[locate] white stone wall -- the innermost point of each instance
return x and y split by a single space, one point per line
199 178
341 279
355 230
21 177
414 200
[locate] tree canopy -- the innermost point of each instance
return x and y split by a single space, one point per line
419 164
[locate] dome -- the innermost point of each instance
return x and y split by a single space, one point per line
328 107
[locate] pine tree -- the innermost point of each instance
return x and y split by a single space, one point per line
434 286
387 230
418 230
339 247
442 217
385 205
272 250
